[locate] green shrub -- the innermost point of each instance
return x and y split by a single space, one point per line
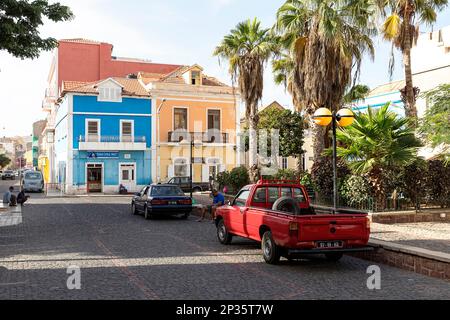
234 179
355 190
437 181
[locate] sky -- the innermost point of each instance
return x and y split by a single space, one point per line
164 31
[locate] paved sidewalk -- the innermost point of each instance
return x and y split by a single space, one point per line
10 216
426 235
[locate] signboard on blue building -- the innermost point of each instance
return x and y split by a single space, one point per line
103 154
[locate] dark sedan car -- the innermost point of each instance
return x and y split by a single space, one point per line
162 199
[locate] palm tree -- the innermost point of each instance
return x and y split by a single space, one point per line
401 27
326 41
358 92
378 141
247 47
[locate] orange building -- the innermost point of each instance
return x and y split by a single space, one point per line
190 106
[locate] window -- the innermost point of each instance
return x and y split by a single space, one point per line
195 77
214 119
166 191
110 94
93 131
180 170
284 163
298 195
260 196
273 194
241 198
143 191
180 119
126 131
286 192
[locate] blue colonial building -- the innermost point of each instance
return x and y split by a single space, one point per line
103 136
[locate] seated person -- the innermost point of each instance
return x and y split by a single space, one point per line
218 200
22 198
9 198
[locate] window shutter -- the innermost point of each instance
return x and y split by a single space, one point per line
205 173
170 171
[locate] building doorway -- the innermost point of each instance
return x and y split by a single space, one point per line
94 172
128 176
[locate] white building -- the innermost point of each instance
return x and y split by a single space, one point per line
430 63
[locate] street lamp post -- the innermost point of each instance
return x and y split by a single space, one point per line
343 118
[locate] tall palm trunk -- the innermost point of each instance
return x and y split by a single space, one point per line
318 141
253 144
410 107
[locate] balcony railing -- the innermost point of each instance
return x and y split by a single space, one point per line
205 137
106 139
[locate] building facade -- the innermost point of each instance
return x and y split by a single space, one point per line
103 136
192 107
83 60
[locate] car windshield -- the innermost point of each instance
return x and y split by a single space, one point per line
167 191
33 176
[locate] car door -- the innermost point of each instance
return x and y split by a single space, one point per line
237 214
185 184
140 200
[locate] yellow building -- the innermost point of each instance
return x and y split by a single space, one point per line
190 106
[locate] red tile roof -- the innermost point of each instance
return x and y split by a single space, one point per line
131 87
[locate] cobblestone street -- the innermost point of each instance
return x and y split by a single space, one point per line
123 256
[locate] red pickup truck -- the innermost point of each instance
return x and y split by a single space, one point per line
278 214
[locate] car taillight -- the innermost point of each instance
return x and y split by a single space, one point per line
158 202
186 201
368 222
293 229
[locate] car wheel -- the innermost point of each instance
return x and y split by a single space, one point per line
186 215
147 214
222 233
133 209
271 252
333 256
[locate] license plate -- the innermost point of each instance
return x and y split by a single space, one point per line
172 202
329 244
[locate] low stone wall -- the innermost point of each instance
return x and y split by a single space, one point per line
421 261
435 215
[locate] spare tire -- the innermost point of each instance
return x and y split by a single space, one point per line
286 204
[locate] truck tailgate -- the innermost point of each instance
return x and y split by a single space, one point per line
332 227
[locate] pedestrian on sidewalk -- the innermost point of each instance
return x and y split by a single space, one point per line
9 198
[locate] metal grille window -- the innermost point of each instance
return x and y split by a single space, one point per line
127 131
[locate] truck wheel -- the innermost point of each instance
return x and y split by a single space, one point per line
333 256
222 233
271 252
147 215
286 204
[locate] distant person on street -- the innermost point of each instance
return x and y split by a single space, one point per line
218 200
22 198
9 197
